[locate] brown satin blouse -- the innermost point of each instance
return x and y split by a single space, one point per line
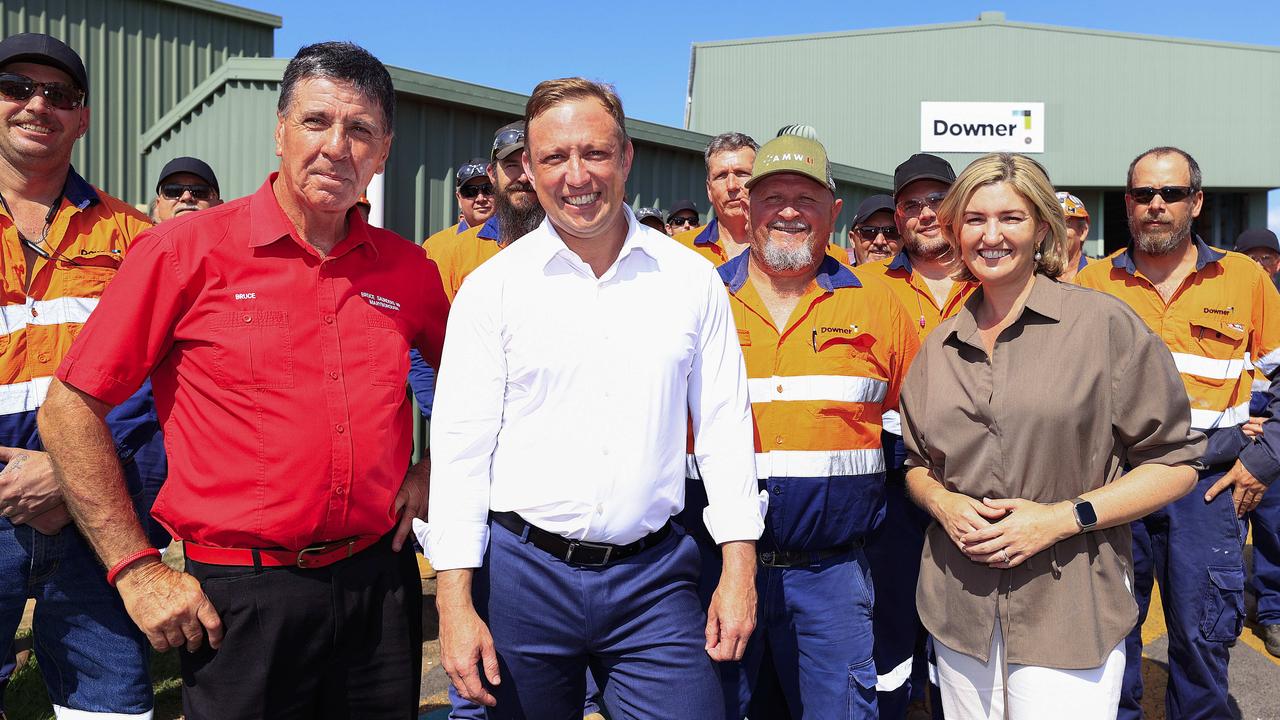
1074 390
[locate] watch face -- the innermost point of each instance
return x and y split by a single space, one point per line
1085 514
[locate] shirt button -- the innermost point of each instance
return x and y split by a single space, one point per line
248 318
340 429
328 319
35 312
333 375
779 389
778 440
339 490
777 489
43 357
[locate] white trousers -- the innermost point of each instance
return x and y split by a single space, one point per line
972 690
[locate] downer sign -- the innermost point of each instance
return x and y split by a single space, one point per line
982 127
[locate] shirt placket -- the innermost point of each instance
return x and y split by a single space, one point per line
336 405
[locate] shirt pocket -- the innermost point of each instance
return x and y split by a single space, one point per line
388 352
253 349
1217 352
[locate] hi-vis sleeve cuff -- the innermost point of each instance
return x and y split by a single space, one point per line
456 545
735 520
1259 457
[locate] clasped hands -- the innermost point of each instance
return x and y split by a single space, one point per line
1003 533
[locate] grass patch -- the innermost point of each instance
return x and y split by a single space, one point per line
26 696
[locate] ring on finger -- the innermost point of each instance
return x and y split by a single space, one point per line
1004 556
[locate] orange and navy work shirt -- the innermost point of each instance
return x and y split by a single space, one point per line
441 238
705 241
914 294
88 237
818 389
457 257
1220 324
279 372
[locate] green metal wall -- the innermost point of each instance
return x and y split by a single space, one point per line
143 57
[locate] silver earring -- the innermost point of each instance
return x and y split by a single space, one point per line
1038 256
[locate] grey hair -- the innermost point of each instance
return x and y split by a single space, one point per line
728 142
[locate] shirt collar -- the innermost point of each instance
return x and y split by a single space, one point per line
901 262
1084 262
268 223
1045 300
461 227
1204 255
709 235
550 245
490 229
78 191
831 275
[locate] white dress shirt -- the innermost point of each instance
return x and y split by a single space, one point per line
564 397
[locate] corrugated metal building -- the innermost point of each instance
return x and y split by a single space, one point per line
863 91
229 119
143 58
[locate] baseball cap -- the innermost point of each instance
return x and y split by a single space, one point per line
679 206
871 206
1257 238
45 50
471 169
1072 206
508 139
922 166
791 154
195 166
653 215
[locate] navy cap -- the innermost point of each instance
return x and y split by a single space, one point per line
922 166
195 166
680 206
871 206
471 169
44 49
1254 238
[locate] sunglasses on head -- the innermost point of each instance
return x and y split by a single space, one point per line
914 206
507 137
869 232
683 220
173 191
20 88
471 192
1169 193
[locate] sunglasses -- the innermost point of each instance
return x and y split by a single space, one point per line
914 206
173 191
683 220
507 137
869 232
471 192
1169 193
20 88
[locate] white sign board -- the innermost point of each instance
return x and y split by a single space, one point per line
982 127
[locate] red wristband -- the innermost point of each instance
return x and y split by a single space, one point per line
129 560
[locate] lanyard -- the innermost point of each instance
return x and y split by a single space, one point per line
44 233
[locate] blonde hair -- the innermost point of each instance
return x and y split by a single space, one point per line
550 93
1030 180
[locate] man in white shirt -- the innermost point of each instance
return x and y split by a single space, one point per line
574 360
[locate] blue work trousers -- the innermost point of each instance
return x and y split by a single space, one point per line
636 624
1194 550
1266 555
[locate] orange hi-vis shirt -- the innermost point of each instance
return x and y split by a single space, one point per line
1221 324
914 293
457 257
818 389
88 238
443 237
705 241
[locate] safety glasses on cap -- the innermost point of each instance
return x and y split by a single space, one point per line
20 88
507 138
1169 193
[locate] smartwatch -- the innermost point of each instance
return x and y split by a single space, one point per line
1086 518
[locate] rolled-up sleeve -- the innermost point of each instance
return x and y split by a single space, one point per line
1150 411
911 402
464 430
720 411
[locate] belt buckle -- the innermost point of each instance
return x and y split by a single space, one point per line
322 549
767 559
575 544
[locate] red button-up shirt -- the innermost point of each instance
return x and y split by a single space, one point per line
279 373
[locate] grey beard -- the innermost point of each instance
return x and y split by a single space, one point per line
780 259
515 222
1160 243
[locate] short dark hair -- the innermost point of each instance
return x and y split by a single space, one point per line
343 61
728 142
1197 180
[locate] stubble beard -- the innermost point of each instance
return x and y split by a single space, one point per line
1160 243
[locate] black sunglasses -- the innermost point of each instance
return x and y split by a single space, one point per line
914 206
173 191
20 88
682 220
1169 193
470 192
869 232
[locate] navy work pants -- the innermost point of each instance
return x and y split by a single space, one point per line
1194 550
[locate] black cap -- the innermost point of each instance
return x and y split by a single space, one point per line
44 49
508 139
871 206
471 169
195 166
1257 238
679 206
922 166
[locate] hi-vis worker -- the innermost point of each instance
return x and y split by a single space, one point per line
728 159
825 353
1218 313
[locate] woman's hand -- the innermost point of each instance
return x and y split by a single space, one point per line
1027 528
961 515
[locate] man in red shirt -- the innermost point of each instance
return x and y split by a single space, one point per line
276 329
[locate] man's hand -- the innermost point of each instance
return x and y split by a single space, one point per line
1246 490
732 615
51 521
27 485
465 642
411 500
1253 428
168 606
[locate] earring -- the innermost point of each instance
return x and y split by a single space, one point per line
1038 255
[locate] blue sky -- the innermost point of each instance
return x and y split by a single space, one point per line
643 48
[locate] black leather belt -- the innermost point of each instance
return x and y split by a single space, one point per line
578 552
802 558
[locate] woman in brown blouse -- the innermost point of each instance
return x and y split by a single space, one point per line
1021 415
